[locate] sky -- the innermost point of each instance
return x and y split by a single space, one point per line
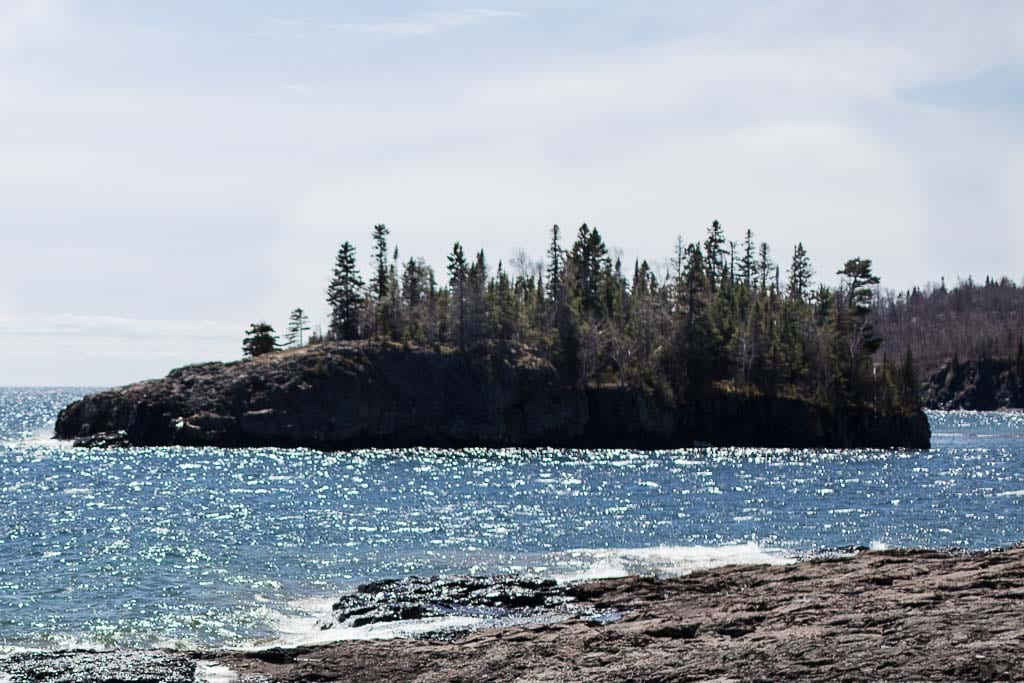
171 172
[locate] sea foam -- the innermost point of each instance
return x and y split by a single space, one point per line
664 560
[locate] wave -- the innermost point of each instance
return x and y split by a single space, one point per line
309 621
664 560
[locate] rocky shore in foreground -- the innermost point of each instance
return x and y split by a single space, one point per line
889 615
340 396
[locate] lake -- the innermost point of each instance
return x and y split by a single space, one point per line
206 547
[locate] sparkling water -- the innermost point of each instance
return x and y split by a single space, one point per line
190 547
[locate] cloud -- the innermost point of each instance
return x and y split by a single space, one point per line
23 22
222 193
429 24
71 324
102 350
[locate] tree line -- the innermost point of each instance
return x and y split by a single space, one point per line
720 315
970 320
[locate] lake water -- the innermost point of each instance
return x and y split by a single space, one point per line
188 547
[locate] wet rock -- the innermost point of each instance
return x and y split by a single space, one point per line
97 667
492 597
113 439
942 617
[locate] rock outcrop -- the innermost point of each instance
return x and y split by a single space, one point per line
494 599
353 395
894 615
878 616
985 384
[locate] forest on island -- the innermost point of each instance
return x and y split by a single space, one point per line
725 316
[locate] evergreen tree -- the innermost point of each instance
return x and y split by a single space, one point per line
380 281
764 264
748 262
344 295
458 276
909 384
298 322
719 318
476 279
503 306
800 274
259 339
854 323
556 265
714 254
591 265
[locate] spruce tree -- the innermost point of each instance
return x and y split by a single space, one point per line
748 261
590 265
345 295
715 253
764 264
380 280
800 274
556 265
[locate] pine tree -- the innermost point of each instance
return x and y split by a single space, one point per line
259 339
298 322
344 295
854 323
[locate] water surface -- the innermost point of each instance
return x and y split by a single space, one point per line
214 547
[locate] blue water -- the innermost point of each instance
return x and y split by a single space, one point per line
210 547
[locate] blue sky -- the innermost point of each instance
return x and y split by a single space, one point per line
171 172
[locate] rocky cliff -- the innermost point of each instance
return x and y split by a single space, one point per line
352 395
985 384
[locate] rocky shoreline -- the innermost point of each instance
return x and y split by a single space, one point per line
876 615
977 384
342 396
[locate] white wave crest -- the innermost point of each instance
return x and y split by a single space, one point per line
310 621
588 564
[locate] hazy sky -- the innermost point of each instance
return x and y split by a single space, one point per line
170 172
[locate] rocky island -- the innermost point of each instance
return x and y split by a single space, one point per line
345 395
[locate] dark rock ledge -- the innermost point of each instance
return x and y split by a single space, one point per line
338 396
878 616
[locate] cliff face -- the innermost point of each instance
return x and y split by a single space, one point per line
352 395
986 384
